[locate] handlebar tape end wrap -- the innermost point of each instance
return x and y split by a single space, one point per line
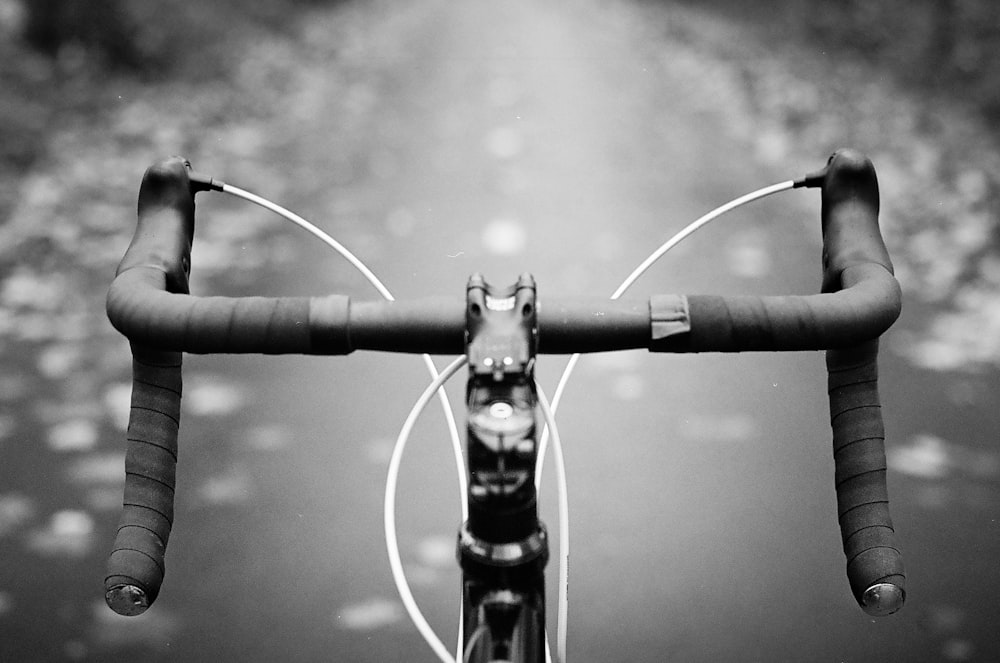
874 563
135 566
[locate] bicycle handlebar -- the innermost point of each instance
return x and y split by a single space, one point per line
149 302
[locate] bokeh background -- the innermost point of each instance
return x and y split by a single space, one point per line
435 139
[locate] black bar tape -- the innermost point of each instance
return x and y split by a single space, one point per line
860 298
874 563
136 566
736 324
149 303
139 308
861 312
853 250
160 253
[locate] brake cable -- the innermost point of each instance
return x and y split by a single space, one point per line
325 237
683 234
437 386
687 231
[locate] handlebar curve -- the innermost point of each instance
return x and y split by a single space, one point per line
149 302
161 249
853 247
860 299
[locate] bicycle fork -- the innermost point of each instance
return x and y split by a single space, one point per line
502 547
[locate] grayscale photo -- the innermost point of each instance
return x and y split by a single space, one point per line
523 331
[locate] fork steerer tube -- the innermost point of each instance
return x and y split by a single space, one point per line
502 547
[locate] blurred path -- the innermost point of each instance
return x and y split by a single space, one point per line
437 139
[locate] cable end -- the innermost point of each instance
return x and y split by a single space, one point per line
815 179
811 181
127 600
883 599
201 182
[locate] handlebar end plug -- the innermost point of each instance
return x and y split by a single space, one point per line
883 599
127 600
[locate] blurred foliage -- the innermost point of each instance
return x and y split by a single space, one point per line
914 84
155 39
60 58
942 46
101 25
